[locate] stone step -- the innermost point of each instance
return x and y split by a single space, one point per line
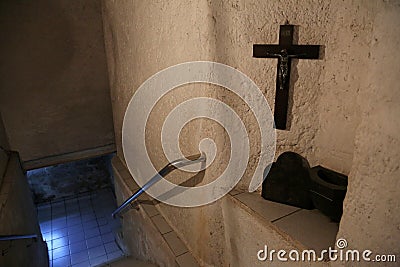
127 262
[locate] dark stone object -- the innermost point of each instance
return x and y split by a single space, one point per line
328 189
288 181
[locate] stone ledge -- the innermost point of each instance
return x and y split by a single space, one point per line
307 229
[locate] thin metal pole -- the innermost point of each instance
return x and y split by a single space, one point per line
16 237
164 171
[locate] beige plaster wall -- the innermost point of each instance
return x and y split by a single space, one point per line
54 92
139 44
371 217
343 108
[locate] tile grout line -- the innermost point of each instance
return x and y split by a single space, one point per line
287 215
106 256
182 254
167 232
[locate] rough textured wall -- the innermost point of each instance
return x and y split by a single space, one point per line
347 53
3 150
139 43
139 235
331 105
54 92
239 25
3 135
18 216
371 217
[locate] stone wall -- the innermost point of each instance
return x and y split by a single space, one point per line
17 213
371 217
3 150
3 135
18 217
343 111
54 93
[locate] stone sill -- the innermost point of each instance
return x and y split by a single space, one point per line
307 229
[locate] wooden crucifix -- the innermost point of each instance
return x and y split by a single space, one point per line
284 52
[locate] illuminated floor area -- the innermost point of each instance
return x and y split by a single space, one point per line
80 231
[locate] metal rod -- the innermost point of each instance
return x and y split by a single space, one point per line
16 237
164 171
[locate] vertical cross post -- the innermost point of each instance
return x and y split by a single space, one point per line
284 52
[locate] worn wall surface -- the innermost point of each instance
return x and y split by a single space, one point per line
141 238
343 107
4 155
54 92
371 217
138 44
18 217
3 135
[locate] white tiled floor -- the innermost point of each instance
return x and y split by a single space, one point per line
80 231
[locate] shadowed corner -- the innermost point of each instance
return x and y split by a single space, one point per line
255 183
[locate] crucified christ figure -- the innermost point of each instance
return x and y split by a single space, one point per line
283 66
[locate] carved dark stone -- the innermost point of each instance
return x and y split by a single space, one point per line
288 181
291 181
328 189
